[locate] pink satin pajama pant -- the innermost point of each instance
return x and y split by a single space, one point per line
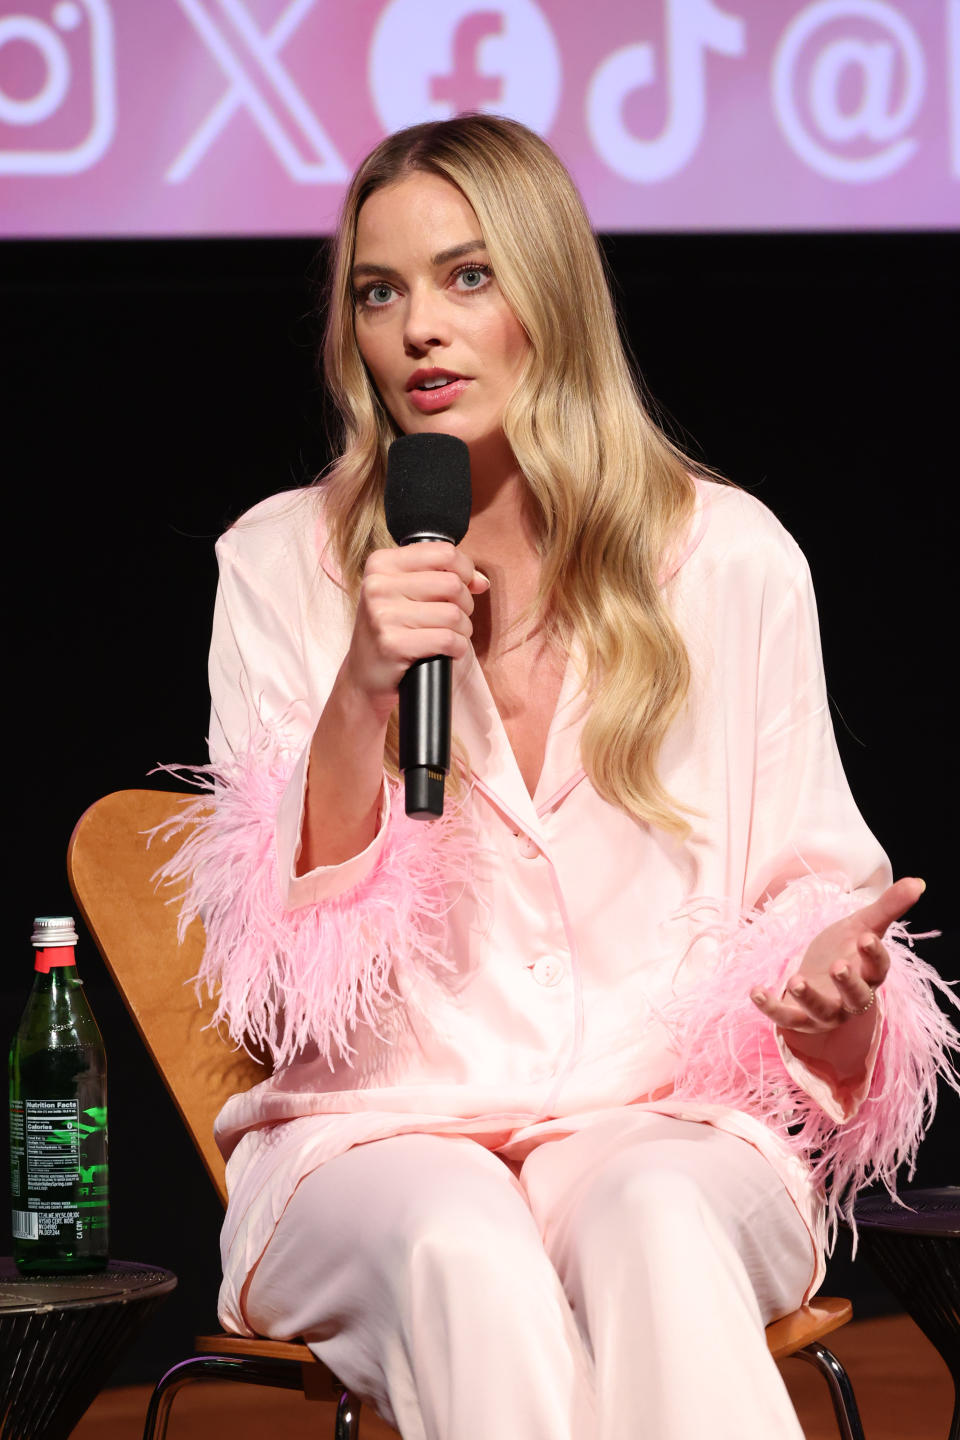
615 1287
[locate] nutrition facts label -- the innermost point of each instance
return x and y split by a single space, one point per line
45 1136
52 1143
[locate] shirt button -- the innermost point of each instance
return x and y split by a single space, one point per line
547 971
527 847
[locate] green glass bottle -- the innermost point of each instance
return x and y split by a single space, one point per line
58 1117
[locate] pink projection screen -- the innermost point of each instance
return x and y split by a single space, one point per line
245 117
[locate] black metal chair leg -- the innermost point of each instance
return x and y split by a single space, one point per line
841 1391
284 1374
164 1392
348 1417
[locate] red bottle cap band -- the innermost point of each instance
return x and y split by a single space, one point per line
47 960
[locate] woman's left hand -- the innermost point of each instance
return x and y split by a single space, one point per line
842 967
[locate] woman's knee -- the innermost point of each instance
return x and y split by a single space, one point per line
483 1248
417 1212
657 1215
643 1198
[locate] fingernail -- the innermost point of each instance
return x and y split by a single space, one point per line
921 883
479 575
841 972
799 988
758 997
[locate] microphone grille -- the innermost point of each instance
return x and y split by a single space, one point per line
427 489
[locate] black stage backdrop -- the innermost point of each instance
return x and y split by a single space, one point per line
155 390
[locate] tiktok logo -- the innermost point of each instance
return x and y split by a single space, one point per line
694 27
429 61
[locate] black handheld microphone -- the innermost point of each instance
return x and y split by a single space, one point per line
426 497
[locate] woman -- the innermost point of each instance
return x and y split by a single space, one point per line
560 1079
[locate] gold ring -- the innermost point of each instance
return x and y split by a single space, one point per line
864 1008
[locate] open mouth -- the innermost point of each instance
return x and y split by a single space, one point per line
436 382
433 389
429 380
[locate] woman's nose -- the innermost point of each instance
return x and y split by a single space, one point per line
424 324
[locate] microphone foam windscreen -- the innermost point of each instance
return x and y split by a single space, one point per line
428 488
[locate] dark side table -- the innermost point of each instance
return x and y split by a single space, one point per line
915 1249
61 1336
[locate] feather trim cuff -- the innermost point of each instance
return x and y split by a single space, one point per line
287 980
729 1055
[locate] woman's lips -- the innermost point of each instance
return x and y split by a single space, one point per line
429 401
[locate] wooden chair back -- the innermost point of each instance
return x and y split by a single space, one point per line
134 924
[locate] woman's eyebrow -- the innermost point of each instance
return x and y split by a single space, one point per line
443 257
456 251
371 269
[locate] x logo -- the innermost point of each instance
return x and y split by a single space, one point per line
266 91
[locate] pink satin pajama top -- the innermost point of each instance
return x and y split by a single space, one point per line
568 930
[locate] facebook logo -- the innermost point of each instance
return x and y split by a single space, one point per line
429 61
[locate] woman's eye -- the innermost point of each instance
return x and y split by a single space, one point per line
376 295
473 277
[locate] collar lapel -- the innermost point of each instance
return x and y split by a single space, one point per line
562 767
478 726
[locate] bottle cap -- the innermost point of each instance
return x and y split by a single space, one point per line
50 931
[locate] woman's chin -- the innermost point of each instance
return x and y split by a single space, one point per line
487 443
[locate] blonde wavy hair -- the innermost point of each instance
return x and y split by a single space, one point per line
611 494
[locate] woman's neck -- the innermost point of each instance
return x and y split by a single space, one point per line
501 519
501 542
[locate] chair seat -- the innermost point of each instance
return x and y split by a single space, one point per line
784 1337
808 1324
224 1344
315 1379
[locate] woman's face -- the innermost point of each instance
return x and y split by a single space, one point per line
443 347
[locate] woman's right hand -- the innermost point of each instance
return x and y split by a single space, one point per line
415 601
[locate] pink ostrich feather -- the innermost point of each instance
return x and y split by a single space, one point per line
728 1052
286 980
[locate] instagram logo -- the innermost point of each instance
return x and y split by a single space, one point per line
57 87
